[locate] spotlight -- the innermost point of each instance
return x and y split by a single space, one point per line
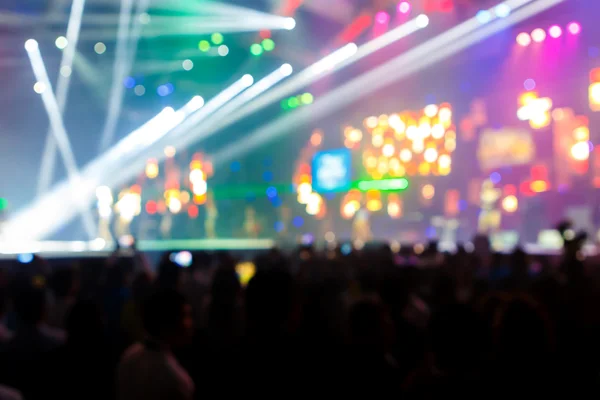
538 35
39 87
247 80
286 69
404 7
290 23
523 39
555 31
31 45
422 21
574 28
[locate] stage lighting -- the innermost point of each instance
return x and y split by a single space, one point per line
187 65
286 69
428 192
444 161
555 31
430 155
422 21
170 151
574 28
247 80
217 38
523 39
61 42
290 23
31 45
223 50
510 204
100 48
538 35
404 7
594 90
502 10
39 87
483 16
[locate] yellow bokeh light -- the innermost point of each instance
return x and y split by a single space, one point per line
305 188
405 155
540 120
424 169
170 151
383 120
371 162
510 204
316 139
374 205
445 114
418 146
152 170
430 155
539 186
355 135
428 191
371 122
388 150
444 161
197 175
444 171
350 208
377 140
450 145
431 110
185 197
582 134
394 210
580 151
437 131
412 132
382 167
527 98
450 135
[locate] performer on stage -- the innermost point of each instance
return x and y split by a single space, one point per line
489 216
251 226
211 217
361 226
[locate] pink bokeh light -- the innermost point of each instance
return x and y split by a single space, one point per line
555 31
404 7
574 28
382 17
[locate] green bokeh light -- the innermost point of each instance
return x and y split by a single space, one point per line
293 102
204 45
284 104
217 38
3 204
307 98
256 49
268 44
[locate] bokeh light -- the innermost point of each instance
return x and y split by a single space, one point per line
574 28
170 151
223 50
483 16
139 90
129 82
187 65
217 38
404 7
204 46
428 192
100 48
529 84
523 39
382 17
502 10
39 87
555 31
268 44
256 49
580 151
61 42
510 204
538 35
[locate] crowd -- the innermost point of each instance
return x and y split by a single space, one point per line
371 322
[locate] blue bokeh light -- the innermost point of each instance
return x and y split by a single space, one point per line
276 202
267 176
279 226
129 82
502 10
235 166
271 192
298 222
495 178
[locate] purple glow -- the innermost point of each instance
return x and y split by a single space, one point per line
382 17
404 7
574 28
555 31
529 84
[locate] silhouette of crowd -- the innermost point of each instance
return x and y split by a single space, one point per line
311 322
